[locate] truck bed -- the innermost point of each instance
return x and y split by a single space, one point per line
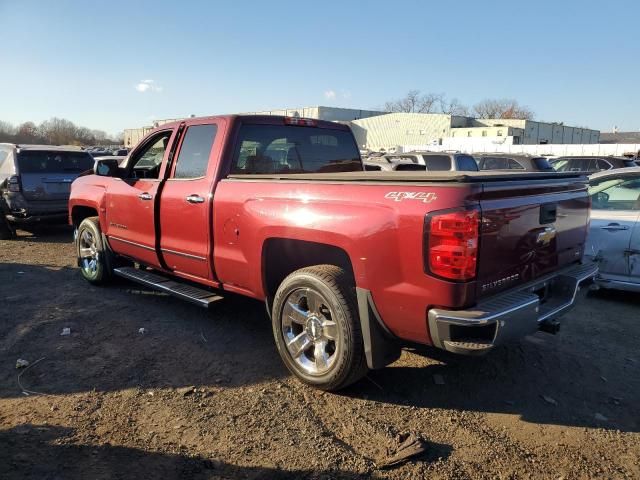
414 177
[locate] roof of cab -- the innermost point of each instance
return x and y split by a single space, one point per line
256 119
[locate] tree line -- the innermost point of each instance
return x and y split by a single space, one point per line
55 131
417 102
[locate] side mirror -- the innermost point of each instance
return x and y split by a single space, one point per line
106 168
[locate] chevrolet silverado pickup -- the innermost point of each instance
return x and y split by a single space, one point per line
352 265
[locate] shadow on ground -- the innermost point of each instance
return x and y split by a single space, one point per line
59 457
45 234
544 379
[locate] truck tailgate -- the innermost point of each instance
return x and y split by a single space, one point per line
529 228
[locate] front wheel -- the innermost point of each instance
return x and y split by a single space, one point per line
92 255
317 329
6 232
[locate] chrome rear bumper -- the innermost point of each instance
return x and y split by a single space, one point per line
509 315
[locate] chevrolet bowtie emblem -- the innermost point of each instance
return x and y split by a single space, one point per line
545 237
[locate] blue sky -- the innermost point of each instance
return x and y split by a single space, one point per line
577 62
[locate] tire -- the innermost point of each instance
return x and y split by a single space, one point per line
93 257
317 329
6 232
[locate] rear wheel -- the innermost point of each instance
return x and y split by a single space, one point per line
316 327
92 255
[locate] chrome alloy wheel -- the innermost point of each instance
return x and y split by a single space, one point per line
309 331
88 252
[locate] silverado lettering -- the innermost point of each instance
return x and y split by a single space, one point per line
281 210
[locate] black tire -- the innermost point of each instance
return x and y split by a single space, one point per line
346 362
6 232
89 233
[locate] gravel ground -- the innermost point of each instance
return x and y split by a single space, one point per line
204 395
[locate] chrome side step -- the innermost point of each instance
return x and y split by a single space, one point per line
196 295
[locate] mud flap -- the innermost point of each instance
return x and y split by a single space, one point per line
380 346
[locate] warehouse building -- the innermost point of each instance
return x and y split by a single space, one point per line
375 130
421 130
396 129
331 114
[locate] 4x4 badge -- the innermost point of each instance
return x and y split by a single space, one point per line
426 197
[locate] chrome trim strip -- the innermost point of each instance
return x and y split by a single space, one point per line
111 237
488 317
181 254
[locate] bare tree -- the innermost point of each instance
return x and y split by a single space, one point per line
7 131
453 107
58 131
505 109
414 102
27 132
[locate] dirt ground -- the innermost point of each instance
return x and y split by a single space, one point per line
204 394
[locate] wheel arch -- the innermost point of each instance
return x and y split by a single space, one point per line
282 256
80 212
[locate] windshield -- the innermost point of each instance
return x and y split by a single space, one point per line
437 162
292 149
542 164
466 163
36 161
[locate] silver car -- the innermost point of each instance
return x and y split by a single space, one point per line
614 236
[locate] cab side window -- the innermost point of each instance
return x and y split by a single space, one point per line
193 158
147 162
616 194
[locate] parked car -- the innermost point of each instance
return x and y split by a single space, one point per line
119 158
388 163
35 181
424 161
279 209
120 152
507 161
590 164
614 235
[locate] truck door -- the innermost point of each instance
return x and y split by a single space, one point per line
186 202
614 215
131 201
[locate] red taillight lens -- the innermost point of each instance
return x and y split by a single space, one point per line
301 122
14 183
452 244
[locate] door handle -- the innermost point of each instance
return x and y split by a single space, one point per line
145 196
615 226
195 199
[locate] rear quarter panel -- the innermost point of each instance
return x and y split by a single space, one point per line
379 228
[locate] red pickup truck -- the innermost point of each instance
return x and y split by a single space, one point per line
352 265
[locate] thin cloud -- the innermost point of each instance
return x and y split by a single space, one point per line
148 86
330 94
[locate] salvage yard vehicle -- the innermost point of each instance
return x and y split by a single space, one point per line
614 235
352 265
422 161
507 161
590 164
35 181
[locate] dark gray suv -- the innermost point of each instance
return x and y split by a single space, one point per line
35 181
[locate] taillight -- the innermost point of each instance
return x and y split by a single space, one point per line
14 183
451 244
301 122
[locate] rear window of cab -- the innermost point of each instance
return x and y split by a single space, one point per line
269 149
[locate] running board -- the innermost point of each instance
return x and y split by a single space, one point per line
196 295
